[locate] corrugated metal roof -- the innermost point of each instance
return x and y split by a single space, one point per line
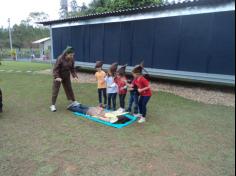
168 5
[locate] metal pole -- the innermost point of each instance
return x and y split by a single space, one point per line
9 28
52 52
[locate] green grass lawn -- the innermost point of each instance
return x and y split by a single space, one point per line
23 66
180 138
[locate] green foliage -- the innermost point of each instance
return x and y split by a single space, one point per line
22 35
98 6
21 53
5 53
13 53
4 42
35 17
26 32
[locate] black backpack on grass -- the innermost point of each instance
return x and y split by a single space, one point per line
1 101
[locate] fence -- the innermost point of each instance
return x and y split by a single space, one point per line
24 53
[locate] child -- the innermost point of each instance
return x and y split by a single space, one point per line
96 112
134 96
1 101
112 88
100 76
121 81
144 89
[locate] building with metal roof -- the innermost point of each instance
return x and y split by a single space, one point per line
193 40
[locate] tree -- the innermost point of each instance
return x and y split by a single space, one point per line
98 6
22 35
74 8
4 38
35 17
83 8
63 13
137 3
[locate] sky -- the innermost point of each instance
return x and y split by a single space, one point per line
18 10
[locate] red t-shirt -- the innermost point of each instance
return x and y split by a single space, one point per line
141 83
121 85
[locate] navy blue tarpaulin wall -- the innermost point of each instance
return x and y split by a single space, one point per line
197 43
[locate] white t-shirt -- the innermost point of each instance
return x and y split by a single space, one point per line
111 85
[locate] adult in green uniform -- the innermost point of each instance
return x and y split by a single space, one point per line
61 74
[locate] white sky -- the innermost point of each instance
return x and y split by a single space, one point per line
18 10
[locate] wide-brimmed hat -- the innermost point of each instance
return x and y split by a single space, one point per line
99 64
113 67
122 69
138 68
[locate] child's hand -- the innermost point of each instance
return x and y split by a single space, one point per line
131 89
76 79
140 90
125 87
131 85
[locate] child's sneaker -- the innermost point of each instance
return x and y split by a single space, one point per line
128 110
53 108
142 120
118 110
121 110
138 115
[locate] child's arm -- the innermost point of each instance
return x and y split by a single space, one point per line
146 84
113 85
125 87
96 76
130 89
144 89
106 77
130 85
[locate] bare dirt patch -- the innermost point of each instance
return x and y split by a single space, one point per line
45 72
218 96
208 95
